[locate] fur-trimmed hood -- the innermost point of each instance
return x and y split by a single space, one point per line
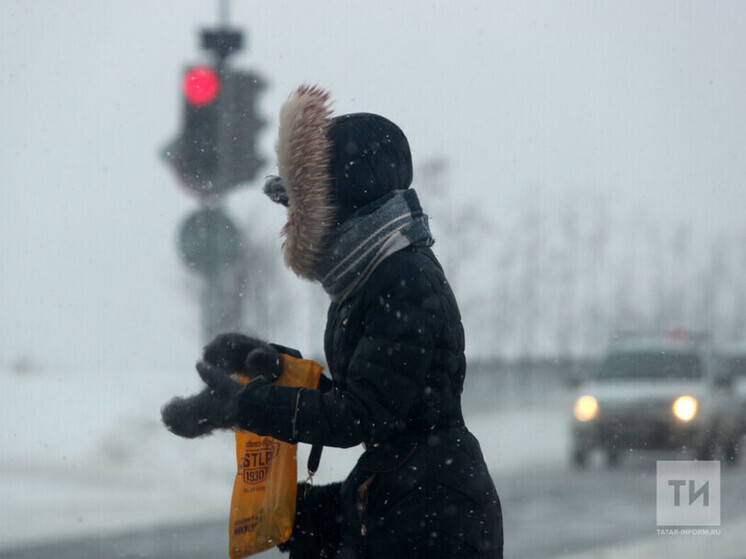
330 168
303 150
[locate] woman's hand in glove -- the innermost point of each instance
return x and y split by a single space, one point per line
275 189
236 353
216 407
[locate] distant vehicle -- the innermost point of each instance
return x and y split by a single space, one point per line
732 361
656 392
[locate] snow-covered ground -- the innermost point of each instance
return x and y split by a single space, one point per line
728 544
84 452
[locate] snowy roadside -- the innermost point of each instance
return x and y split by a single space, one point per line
729 544
70 466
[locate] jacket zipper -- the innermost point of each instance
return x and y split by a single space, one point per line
362 503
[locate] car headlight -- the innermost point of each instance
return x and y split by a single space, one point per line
586 408
685 408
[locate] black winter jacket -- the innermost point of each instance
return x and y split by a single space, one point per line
395 351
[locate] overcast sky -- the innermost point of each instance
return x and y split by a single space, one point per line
641 102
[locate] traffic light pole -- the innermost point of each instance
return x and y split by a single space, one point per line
220 302
223 13
216 151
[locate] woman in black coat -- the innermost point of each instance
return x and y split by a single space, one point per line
394 345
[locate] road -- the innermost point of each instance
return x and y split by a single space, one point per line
552 513
549 512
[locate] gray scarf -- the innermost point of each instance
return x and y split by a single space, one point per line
362 242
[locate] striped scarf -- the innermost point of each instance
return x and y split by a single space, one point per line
362 242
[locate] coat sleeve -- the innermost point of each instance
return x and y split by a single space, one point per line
386 373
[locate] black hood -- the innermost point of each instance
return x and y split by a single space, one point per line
370 157
329 168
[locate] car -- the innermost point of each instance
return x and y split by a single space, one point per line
655 392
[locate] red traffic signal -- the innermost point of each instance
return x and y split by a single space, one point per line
217 147
201 85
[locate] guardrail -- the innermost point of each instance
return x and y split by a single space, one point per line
491 382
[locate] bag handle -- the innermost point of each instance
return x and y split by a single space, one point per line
313 465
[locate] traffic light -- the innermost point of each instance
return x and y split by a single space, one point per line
217 147
240 159
198 146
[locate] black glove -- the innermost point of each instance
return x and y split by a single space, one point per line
317 531
216 407
275 189
236 353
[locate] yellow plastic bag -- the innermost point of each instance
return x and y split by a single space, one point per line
263 501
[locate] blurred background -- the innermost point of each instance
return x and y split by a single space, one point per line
581 162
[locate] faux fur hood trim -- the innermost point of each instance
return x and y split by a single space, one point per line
303 158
